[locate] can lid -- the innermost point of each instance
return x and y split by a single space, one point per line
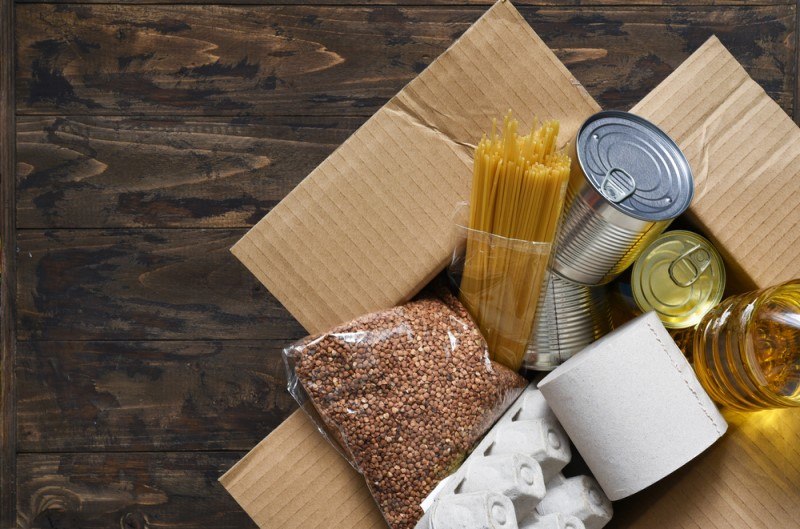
635 166
681 276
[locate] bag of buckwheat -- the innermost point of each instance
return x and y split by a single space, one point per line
405 394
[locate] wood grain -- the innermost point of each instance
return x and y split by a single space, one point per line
293 60
129 491
7 267
118 396
105 172
140 124
214 60
484 3
141 284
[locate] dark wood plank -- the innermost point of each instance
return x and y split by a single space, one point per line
266 60
213 60
485 3
129 491
7 267
122 396
141 284
87 172
622 55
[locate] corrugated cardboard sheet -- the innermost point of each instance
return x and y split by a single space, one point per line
370 226
750 479
294 479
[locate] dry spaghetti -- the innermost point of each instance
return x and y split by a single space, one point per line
517 196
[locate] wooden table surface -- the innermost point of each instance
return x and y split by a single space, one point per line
140 360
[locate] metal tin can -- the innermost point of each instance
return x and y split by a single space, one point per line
681 276
628 181
569 317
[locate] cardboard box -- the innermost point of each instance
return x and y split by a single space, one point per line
371 225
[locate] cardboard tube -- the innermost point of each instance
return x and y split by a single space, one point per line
633 407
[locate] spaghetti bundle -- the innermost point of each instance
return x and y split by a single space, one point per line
517 196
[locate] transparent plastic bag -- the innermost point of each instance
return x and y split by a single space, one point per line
405 393
500 281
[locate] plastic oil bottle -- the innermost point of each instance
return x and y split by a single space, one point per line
747 349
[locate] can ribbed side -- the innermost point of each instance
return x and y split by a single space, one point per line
569 317
591 250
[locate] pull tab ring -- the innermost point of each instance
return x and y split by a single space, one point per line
617 190
686 256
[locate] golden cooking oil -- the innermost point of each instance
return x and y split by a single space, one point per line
680 276
747 349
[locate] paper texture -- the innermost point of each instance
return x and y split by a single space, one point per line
372 224
745 154
633 407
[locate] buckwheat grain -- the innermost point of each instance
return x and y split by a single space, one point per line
406 392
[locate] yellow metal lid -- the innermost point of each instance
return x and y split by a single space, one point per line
681 276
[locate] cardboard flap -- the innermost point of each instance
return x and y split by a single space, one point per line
371 225
295 479
749 479
745 154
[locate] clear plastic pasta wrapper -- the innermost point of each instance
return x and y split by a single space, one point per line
404 394
500 281
518 189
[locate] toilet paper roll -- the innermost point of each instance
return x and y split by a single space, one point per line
633 407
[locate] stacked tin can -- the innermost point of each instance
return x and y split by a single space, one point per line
629 180
569 317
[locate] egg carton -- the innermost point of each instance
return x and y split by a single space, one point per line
513 480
